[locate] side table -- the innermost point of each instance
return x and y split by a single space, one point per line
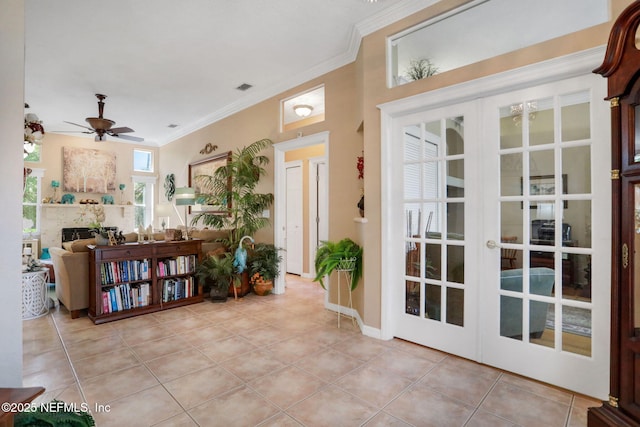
34 293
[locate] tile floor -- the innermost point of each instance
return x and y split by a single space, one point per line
278 360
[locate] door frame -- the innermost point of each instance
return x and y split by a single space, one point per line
280 186
533 75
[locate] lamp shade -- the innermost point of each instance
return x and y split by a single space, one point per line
185 196
163 209
545 211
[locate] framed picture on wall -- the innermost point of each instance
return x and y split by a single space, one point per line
544 185
198 173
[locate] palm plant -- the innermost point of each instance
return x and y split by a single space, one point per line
233 187
332 256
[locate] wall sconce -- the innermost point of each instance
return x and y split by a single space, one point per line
302 110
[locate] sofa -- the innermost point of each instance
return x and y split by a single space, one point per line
541 280
71 265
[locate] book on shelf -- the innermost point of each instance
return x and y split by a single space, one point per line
125 296
178 288
183 264
124 271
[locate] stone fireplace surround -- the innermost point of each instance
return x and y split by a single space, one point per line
55 217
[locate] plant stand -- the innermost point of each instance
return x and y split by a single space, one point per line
346 267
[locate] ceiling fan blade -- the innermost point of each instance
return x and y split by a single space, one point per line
129 138
123 129
82 126
72 131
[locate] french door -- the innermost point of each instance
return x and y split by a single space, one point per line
504 238
438 289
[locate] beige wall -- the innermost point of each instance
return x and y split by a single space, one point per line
352 95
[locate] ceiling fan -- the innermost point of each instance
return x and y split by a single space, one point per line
103 127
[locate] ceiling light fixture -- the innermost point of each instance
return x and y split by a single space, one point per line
33 132
303 110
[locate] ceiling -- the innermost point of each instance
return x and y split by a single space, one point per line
168 62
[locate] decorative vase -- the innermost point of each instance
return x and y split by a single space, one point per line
101 240
263 288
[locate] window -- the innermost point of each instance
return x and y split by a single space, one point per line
302 109
143 200
142 161
31 206
491 28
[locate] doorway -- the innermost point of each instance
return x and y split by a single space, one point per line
504 172
311 151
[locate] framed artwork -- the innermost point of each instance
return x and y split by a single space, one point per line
206 167
86 170
542 185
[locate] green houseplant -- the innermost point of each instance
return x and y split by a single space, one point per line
264 267
343 255
233 186
217 274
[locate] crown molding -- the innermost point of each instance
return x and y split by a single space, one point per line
380 20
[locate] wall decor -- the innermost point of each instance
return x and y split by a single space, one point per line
205 167
544 185
86 170
209 148
169 186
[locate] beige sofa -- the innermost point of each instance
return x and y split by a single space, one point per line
71 266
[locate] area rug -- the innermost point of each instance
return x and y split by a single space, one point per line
575 320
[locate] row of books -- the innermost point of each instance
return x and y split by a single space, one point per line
125 296
124 271
175 289
179 265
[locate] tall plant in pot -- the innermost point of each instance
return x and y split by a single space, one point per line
233 187
264 267
217 274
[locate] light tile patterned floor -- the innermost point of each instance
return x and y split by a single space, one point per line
278 360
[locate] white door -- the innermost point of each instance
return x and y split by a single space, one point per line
318 209
434 215
546 265
503 253
294 218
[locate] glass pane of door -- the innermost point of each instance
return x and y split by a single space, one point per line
545 222
434 209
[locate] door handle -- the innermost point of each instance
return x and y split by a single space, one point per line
491 244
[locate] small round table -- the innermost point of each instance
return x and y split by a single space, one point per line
34 293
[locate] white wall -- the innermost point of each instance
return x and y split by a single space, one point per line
11 129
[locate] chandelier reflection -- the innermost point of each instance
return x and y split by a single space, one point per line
518 110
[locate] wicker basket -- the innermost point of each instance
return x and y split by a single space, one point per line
347 264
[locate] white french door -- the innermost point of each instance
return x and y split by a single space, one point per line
503 253
546 227
437 287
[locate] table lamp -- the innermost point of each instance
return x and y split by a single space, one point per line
185 196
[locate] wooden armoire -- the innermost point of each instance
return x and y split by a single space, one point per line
621 67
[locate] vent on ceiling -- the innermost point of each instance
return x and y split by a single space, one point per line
244 86
172 126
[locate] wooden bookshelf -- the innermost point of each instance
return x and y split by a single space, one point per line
138 278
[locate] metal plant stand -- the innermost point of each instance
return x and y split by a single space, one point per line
346 267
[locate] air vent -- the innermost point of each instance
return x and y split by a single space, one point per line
172 126
244 86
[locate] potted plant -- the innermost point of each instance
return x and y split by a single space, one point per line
233 186
217 274
264 267
345 255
